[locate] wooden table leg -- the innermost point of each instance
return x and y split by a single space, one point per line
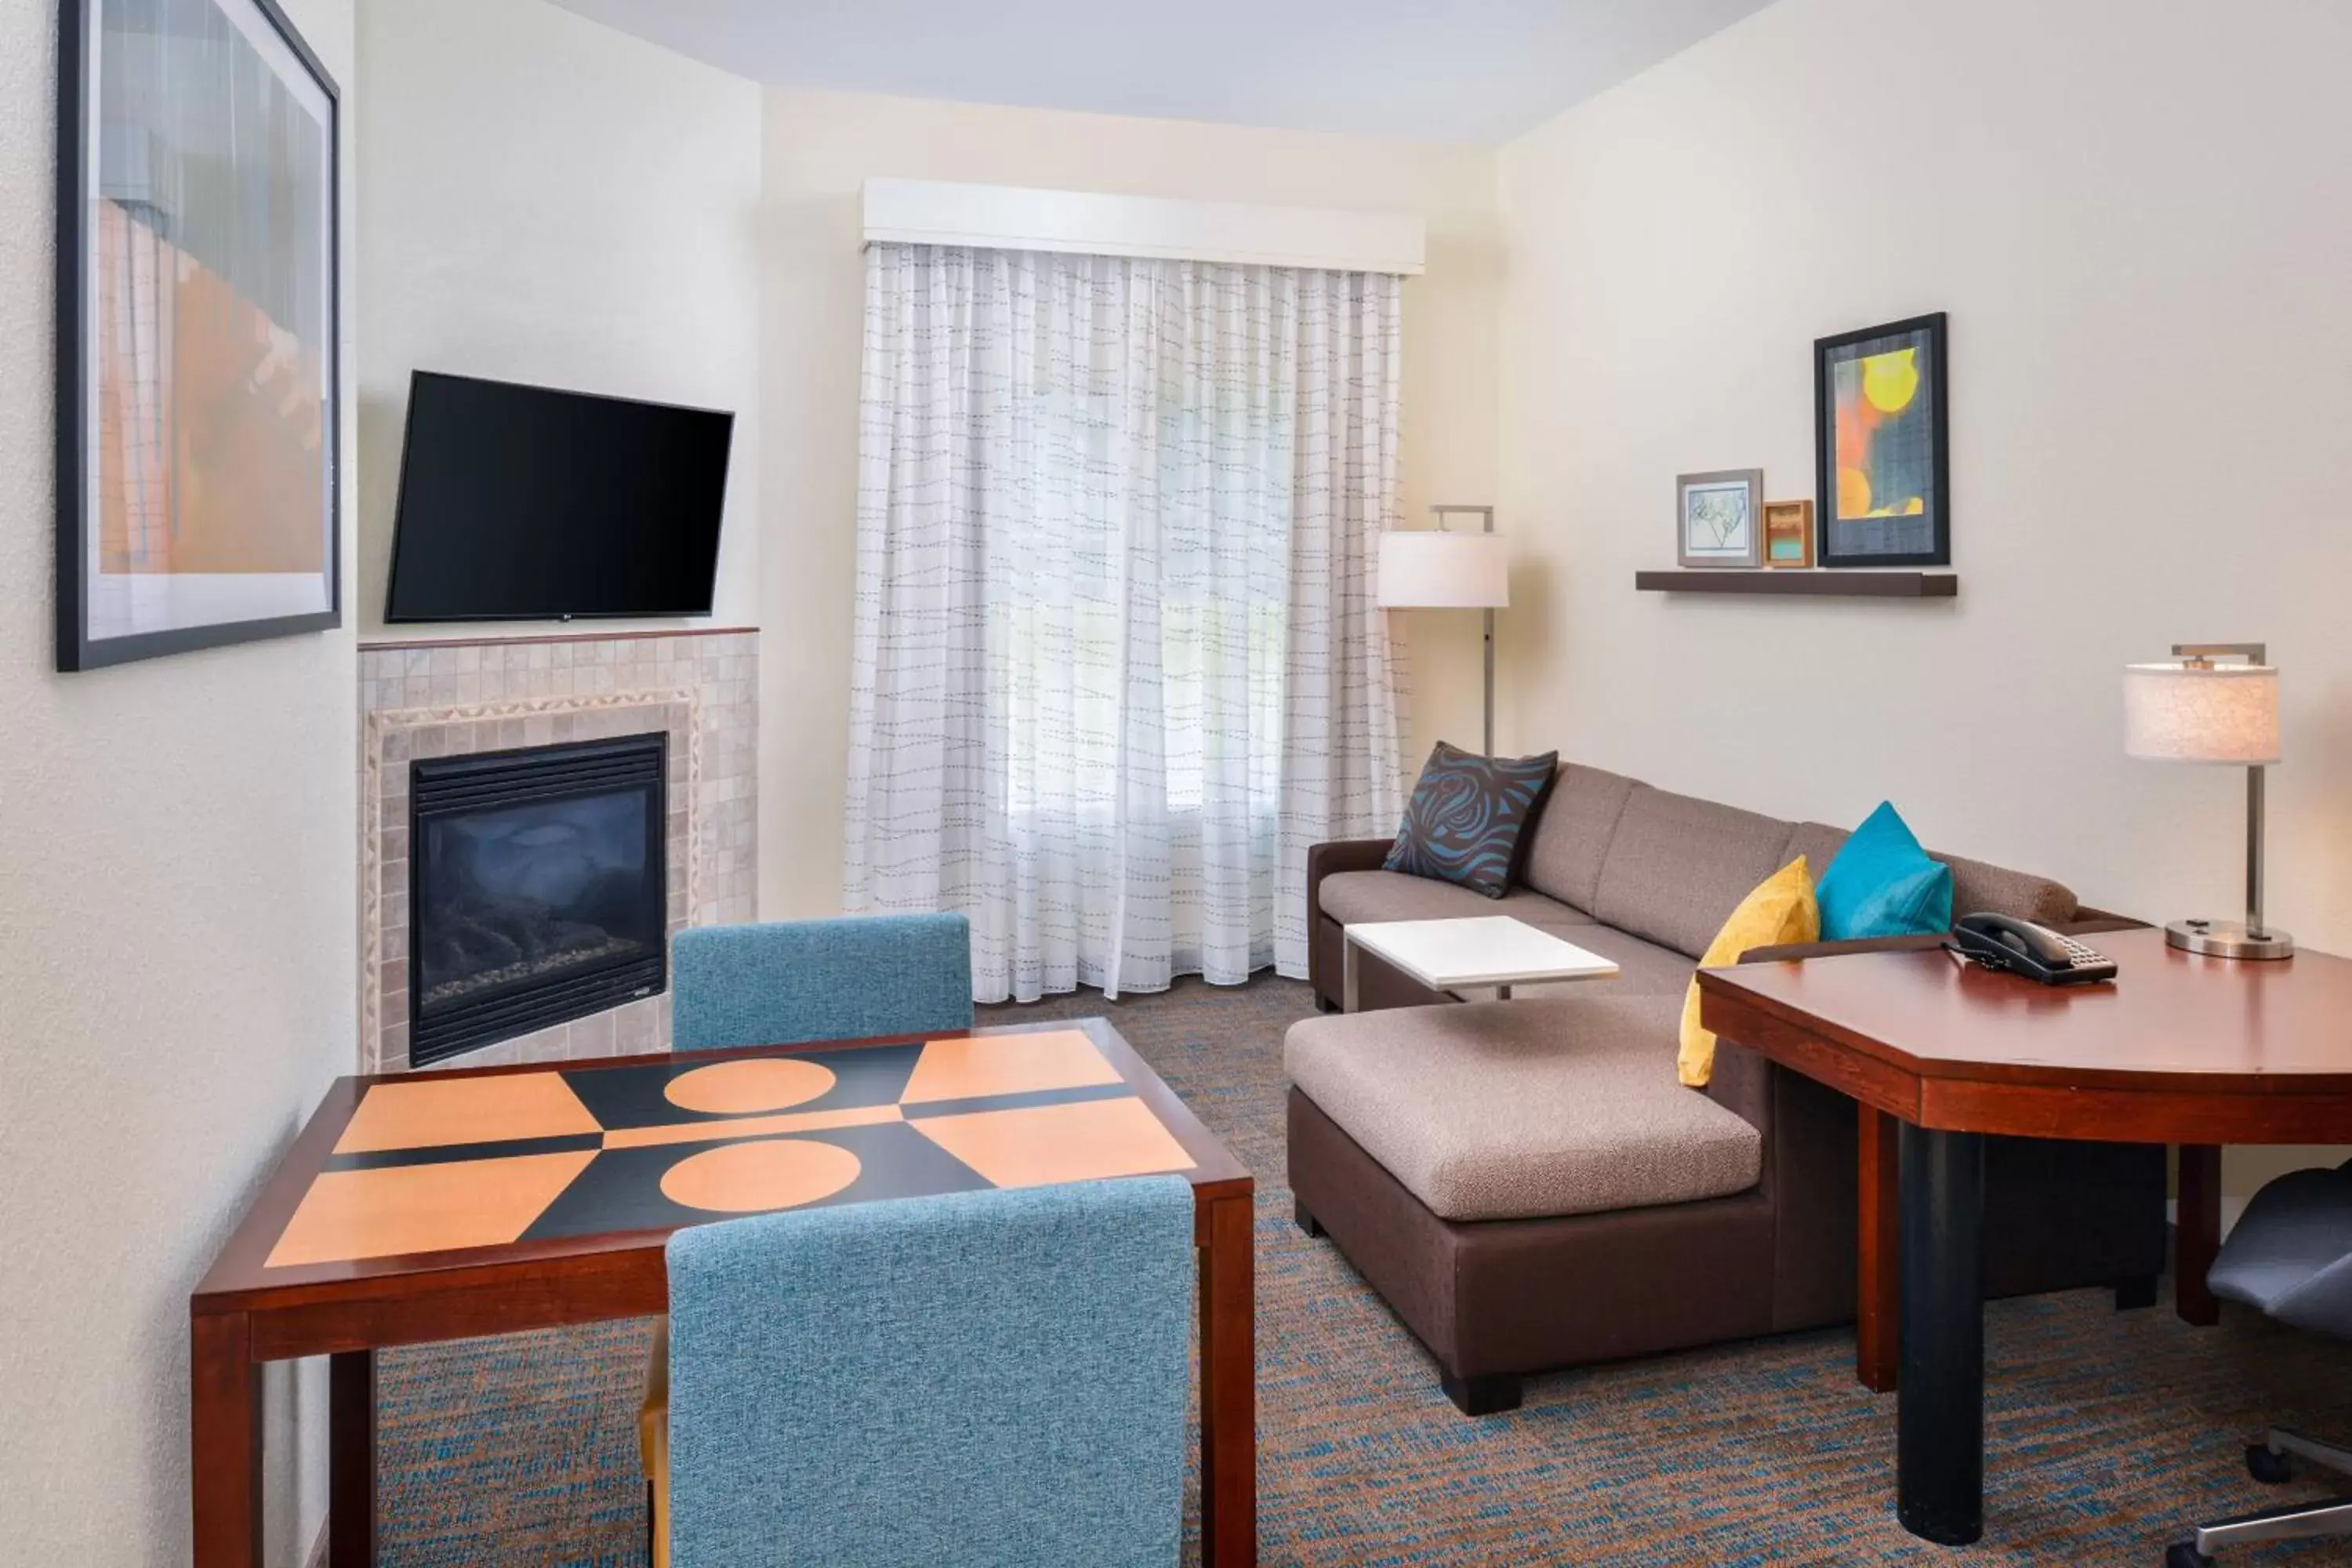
1878 1274
350 1459
225 1441
1228 1386
2197 1234
1348 1001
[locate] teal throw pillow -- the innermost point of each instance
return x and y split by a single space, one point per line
1882 884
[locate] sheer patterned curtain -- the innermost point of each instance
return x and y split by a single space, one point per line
1117 663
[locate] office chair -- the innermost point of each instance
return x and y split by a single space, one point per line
2291 1255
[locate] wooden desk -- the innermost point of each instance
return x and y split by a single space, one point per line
443 1205
2197 1052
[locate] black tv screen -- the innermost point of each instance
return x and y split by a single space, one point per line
521 503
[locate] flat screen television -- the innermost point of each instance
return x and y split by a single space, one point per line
523 503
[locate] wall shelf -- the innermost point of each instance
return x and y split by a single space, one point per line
1836 583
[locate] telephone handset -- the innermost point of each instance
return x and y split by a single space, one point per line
1999 942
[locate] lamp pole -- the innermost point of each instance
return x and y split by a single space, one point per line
1486 515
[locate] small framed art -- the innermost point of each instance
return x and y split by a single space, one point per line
1718 518
1788 533
1881 446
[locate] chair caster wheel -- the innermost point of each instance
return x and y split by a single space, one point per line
2271 1469
2184 1554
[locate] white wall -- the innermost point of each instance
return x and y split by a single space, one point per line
821 145
176 959
2135 215
544 199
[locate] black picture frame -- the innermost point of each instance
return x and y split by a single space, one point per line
80 647
1850 545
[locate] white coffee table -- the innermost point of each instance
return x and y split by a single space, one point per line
1471 952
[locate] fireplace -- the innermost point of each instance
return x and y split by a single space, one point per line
537 889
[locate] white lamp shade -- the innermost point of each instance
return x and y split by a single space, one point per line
2180 713
1430 569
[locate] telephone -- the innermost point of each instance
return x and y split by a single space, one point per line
1998 941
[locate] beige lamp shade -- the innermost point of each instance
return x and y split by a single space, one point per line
1430 569
2188 713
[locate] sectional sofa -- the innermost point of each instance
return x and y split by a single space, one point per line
1527 1182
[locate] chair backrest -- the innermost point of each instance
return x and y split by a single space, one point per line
987 1377
2289 1254
787 982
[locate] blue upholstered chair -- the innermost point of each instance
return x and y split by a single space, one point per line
993 1380
789 982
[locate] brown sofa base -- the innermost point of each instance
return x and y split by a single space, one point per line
1495 1300
1504 1298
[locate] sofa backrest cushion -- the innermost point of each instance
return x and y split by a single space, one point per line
1976 887
1571 836
1818 843
1677 867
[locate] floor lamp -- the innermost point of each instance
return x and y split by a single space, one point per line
1446 569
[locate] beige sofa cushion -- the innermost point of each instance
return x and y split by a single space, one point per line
1976 885
1357 898
1572 832
1645 968
1818 844
1527 1108
1678 866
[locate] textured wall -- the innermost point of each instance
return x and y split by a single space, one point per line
177 960
2134 214
822 145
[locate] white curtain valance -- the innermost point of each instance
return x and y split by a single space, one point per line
1007 218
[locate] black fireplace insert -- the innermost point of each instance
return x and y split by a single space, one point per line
537 890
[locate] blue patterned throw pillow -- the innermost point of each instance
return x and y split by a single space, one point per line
1464 822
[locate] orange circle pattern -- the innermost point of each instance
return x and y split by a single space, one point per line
741 1088
753 1178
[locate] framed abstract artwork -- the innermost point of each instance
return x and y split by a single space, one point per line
197 322
1882 456
1718 518
1788 533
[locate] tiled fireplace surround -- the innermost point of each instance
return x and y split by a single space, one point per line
445 698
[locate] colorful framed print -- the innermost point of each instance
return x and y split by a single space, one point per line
198 401
1881 443
1718 518
1788 533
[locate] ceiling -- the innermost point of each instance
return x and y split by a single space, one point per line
1450 70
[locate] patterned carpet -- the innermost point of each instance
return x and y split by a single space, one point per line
2108 1433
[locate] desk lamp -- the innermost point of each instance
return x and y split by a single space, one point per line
2203 710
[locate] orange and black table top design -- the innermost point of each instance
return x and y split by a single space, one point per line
434 1163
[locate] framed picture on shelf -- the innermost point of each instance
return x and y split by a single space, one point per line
198 405
1881 446
1788 533
1718 518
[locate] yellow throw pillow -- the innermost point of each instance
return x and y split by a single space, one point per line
1781 909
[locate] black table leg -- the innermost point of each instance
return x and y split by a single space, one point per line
1940 1420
